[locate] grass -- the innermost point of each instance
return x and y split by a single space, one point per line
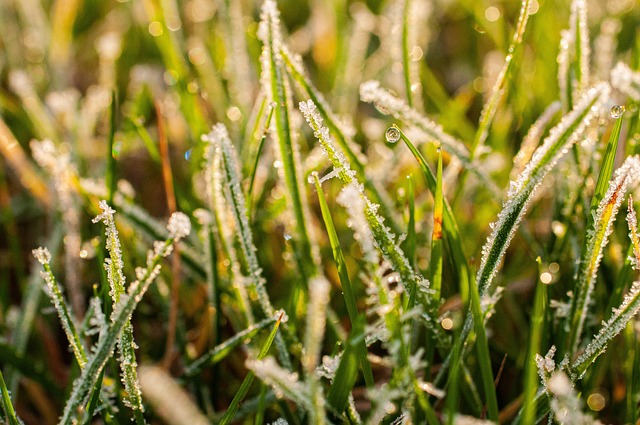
476 271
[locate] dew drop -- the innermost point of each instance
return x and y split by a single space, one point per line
617 111
393 134
312 177
187 155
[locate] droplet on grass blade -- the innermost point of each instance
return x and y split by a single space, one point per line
617 111
393 134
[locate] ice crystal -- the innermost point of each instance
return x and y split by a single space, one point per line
282 381
319 288
565 404
632 220
626 80
179 225
42 255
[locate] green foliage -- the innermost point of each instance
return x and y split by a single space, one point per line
384 301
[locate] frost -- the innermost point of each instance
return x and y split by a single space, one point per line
42 255
319 288
632 220
283 382
565 404
626 80
179 225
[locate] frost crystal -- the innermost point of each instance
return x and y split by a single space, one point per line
42 255
179 225
626 80
283 382
632 220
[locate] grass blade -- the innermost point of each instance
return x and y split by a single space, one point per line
449 223
597 237
345 281
347 371
621 315
6 403
531 380
248 380
482 346
497 92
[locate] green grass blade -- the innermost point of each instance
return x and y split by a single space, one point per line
410 241
498 91
248 380
435 264
62 307
347 372
453 380
406 56
531 379
484 358
84 384
221 351
583 283
345 281
7 405
561 137
449 223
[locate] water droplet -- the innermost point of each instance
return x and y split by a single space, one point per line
312 177
392 134
187 155
617 111
287 237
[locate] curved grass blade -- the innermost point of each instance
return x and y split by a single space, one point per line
384 239
372 92
561 137
531 380
597 237
345 281
248 380
62 307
